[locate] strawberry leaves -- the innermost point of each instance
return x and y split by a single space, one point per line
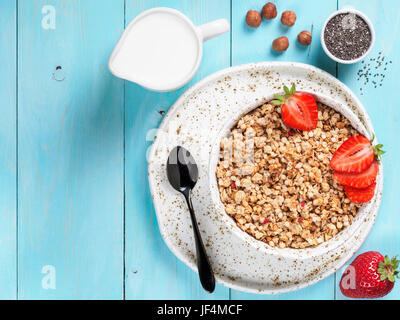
377 149
279 100
388 269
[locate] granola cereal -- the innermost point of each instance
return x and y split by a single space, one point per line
276 182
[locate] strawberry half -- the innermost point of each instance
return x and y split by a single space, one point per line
360 195
299 109
358 180
355 155
369 276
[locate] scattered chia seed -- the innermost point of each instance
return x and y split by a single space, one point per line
364 73
347 36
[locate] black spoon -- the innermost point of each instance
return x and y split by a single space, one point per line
183 173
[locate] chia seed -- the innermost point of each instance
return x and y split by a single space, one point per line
347 36
376 63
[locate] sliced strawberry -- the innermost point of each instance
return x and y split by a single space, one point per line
358 180
355 155
299 109
360 195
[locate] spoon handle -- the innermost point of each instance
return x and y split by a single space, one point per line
206 274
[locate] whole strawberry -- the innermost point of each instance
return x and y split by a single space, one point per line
369 276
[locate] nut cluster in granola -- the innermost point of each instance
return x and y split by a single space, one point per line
276 183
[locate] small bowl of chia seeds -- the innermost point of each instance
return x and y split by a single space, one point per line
347 36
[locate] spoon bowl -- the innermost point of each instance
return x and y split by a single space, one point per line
182 169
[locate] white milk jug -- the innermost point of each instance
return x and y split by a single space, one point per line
161 49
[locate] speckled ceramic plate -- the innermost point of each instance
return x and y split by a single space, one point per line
197 121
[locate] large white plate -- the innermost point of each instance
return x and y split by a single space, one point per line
197 121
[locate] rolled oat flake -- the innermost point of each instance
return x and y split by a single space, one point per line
347 36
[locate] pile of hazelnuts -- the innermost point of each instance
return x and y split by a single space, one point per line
269 12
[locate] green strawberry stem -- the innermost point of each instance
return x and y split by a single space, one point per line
279 100
377 149
388 269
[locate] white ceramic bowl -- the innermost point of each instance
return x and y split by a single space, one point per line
361 15
325 247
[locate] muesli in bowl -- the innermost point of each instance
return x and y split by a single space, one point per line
293 172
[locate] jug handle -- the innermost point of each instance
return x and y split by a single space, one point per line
213 29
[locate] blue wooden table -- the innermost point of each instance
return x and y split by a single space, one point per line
76 217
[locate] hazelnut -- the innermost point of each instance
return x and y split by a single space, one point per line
280 44
305 38
269 11
288 18
253 18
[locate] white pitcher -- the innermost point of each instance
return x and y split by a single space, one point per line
161 49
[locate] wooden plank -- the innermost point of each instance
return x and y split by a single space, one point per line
152 271
8 223
382 107
70 151
252 45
